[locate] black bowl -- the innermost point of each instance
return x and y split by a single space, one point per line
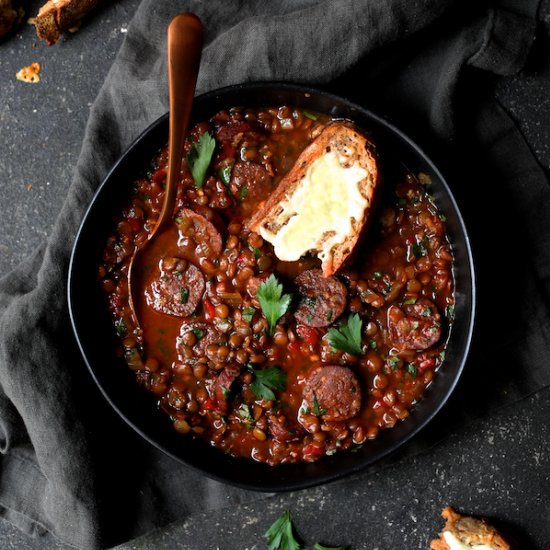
94 330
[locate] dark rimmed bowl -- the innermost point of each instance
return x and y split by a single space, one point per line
94 330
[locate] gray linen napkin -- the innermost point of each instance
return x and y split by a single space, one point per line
68 465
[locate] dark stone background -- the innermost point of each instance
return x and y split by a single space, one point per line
498 466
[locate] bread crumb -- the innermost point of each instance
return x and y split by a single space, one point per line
29 187
30 74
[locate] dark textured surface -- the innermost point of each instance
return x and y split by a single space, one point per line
505 456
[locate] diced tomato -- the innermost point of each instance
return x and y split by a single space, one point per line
135 224
294 346
227 152
426 364
159 176
312 452
209 310
209 405
308 334
379 404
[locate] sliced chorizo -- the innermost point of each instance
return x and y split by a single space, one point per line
250 181
198 237
333 393
414 326
178 290
323 298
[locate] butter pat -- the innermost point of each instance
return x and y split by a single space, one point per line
326 199
455 544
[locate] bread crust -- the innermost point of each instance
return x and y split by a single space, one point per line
58 16
348 142
470 531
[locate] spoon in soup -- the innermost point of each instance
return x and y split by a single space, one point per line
184 43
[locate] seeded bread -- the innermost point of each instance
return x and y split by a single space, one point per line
58 16
343 164
465 531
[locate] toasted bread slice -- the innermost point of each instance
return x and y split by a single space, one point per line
463 532
323 203
58 16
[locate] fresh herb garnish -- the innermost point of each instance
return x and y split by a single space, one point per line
309 115
280 536
309 318
243 192
393 362
200 156
266 381
410 301
321 547
317 411
257 253
450 312
247 314
377 275
199 333
442 356
246 416
420 249
427 312
121 327
411 369
310 302
372 343
348 337
330 313
274 303
225 173
184 295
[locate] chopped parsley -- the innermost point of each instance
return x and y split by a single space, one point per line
321 547
199 333
377 274
184 295
450 312
267 381
225 173
419 249
121 328
245 415
309 115
409 301
372 343
348 337
243 192
411 369
257 253
274 303
317 410
280 536
393 362
199 158
310 302
330 313
247 314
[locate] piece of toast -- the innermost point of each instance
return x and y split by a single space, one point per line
466 531
325 200
58 16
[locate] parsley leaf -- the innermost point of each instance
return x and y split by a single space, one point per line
121 328
199 333
184 295
280 536
247 314
348 337
274 303
199 158
244 192
317 411
267 380
321 547
309 115
246 416
225 173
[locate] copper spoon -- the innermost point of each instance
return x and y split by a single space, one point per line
184 53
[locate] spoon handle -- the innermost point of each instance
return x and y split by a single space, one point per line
184 53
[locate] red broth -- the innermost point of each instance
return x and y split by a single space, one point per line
204 348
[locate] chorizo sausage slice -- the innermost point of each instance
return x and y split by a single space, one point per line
222 386
198 237
333 393
250 181
323 298
414 326
178 290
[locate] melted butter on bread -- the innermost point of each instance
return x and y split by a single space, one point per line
318 215
322 205
455 544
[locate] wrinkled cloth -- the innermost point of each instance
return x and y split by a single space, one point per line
69 465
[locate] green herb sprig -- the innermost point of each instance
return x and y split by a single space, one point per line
274 303
348 337
199 158
266 381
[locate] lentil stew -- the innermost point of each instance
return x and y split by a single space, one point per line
339 360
